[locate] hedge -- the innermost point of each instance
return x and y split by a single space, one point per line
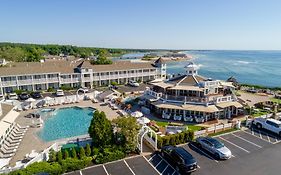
175 139
108 155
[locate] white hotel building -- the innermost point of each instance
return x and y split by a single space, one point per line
35 76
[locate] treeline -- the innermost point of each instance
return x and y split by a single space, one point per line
261 87
20 52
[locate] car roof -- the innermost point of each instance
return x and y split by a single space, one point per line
183 153
274 121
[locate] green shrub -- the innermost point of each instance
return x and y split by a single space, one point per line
65 154
59 156
95 151
52 156
73 153
71 164
40 167
175 139
109 155
113 83
88 150
82 153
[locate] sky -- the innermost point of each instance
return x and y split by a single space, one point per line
150 24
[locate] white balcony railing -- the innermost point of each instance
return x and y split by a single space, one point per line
24 82
153 93
9 83
53 79
223 99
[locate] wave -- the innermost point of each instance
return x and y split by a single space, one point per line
244 62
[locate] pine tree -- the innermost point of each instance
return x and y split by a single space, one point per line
66 154
82 153
59 156
73 153
88 150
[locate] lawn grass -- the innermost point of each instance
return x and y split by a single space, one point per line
275 100
190 126
260 113
222 132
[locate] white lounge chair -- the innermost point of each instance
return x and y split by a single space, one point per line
2 155
7 151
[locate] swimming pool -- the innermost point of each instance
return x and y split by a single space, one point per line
65 122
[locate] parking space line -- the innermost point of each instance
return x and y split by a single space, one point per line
105 170
268 138
165 169
151 157
81 173
205 153
158 163
152 165
260 134
166 162
174 172
129 167
256 136
247 140
235 145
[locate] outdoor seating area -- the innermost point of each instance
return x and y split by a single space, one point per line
55 101
11 140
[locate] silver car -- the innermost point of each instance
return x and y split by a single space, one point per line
214 146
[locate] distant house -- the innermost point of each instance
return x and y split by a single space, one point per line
176 55
3 62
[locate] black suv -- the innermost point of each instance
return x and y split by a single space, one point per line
24 96
179 158
36 95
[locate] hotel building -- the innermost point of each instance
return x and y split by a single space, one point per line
35 76
193 98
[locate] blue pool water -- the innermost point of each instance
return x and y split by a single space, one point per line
65 122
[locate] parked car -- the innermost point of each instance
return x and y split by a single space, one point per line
179 158
24 96
133 83
36 95
215 147
12 96
270 124
59 92
85 89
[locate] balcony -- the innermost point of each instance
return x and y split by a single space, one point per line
9 83
185 99
40 81
222 99
25 82
53 80
153 93
87 79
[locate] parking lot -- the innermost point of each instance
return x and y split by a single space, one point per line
247 144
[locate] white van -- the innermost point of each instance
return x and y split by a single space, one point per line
59 93
12 96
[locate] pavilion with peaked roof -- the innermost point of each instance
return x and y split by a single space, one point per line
192 97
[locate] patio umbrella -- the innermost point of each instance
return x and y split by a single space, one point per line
48 98
143 120
30 100
137 114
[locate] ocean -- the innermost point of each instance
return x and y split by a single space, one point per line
251 67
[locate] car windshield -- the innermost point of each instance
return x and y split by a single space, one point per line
217 144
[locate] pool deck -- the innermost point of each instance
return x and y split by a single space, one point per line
32 142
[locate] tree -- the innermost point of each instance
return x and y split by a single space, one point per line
100 130
66 154
88 150
59 156
128 128
52 156
73 153
82 153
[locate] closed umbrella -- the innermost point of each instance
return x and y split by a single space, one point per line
30 100
143 120
137 114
